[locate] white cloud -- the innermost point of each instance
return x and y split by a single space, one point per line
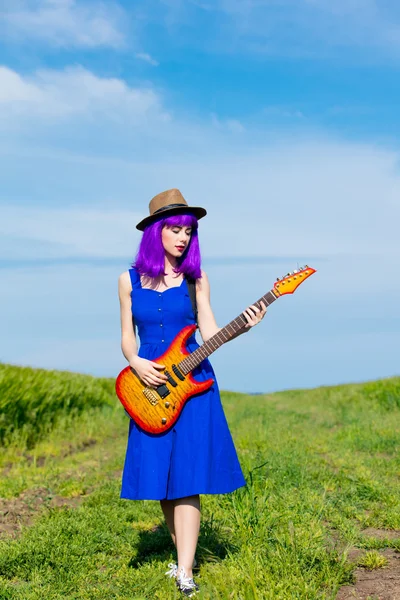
232 125
290 199
302 28
68 232
147 58
51 94
285 112
64 23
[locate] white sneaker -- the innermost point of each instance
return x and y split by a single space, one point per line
173 568
186 585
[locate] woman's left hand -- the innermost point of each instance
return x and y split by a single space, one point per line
254 315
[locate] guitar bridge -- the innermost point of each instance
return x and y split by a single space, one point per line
151 396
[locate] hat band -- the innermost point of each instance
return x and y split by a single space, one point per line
168 207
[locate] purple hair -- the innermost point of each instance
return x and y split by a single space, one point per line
150 256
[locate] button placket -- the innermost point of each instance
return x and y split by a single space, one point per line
160 310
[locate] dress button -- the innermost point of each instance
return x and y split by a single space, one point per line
159 309
163 340
160 324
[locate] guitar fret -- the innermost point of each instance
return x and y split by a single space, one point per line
219 334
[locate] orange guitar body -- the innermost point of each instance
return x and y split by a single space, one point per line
146 407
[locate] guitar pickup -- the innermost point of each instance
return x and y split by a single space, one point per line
178 373
170 379
163 391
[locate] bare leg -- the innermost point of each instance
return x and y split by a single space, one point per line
168 510
187 527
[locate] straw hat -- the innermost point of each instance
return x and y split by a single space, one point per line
170 202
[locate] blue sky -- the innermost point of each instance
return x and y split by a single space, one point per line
279 116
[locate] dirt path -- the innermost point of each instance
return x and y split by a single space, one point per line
16 513
377 584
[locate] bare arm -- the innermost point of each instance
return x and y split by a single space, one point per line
129 345
205 316
207 324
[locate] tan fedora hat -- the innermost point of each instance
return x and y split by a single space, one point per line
170 202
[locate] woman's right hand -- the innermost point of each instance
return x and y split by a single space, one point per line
148 371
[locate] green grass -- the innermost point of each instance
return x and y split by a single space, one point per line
373 560
32 400
321 466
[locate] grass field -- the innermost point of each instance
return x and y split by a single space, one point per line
322 468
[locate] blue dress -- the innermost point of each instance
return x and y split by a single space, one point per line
197 455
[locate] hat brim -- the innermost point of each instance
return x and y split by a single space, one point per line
197 211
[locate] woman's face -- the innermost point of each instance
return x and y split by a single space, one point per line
175 239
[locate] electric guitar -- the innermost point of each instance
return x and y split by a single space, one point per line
156 409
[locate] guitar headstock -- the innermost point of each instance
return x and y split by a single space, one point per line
290 282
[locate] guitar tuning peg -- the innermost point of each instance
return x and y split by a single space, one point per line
277 279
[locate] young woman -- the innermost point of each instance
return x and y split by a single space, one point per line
197 455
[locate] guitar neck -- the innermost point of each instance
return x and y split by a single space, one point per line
224 335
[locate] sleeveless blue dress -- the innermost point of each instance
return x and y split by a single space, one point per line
197 455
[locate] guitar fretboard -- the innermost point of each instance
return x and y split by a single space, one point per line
223 335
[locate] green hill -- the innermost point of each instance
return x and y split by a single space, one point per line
322 469
33 400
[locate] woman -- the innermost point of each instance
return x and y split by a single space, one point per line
197 455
